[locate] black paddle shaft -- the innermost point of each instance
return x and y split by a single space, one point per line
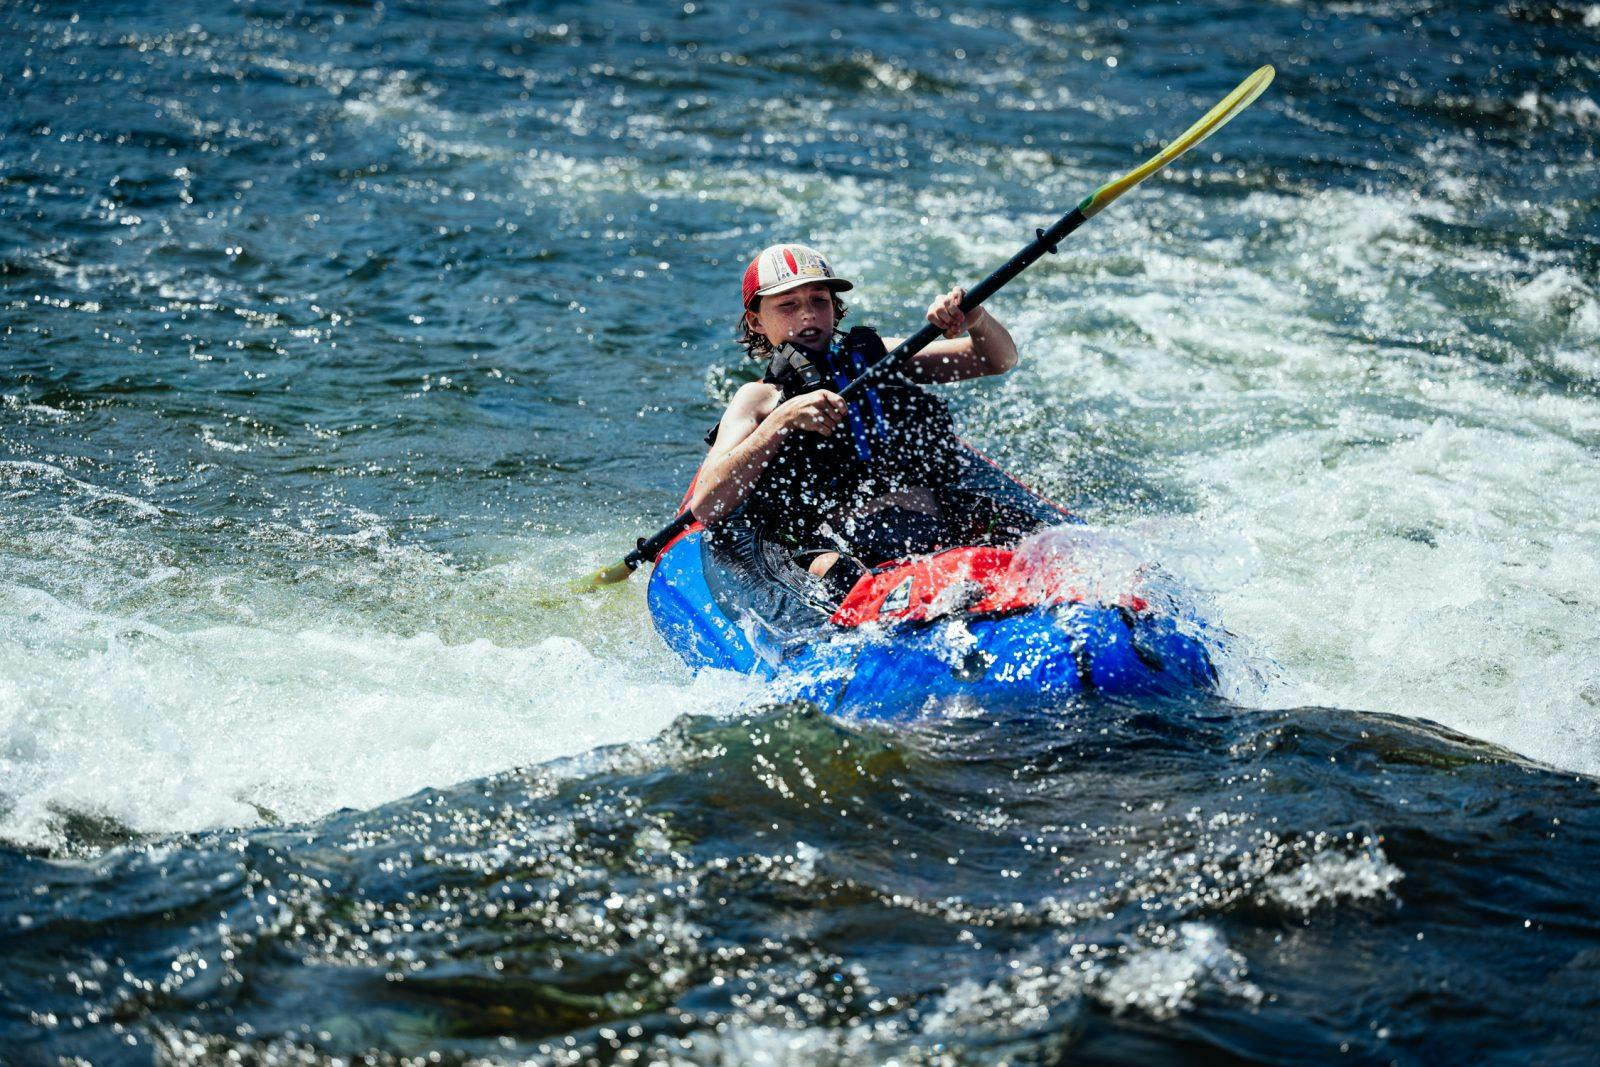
650 547
1044 241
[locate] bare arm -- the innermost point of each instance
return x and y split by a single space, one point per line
986 349
749 436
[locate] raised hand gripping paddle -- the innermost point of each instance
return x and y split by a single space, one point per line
1046 241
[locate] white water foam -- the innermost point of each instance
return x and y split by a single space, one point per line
1163 980
176 726
1423 574
1330 876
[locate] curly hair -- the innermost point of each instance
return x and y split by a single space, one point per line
756 345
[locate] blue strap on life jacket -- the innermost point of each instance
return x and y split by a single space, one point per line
880 425
858 429
860 434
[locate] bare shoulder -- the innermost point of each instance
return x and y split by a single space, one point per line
750 405
754 400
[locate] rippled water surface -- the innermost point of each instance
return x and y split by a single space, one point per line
336 339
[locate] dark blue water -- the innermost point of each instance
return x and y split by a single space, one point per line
1098 883
335 340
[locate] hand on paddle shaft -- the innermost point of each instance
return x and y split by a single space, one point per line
820 412
946 314
949 317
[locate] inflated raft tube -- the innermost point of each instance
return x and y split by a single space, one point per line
967 626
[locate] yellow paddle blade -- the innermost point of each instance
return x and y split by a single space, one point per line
617 572
1213 120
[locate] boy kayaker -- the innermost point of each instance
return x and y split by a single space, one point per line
857 479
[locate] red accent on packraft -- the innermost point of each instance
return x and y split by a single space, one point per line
971 581
967 581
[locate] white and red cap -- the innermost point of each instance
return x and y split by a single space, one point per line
783 267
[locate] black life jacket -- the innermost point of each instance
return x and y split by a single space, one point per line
896 435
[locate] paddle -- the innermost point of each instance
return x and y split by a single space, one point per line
1045 241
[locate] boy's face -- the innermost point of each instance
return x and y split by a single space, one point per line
803 315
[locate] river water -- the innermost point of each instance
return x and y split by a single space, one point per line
336 339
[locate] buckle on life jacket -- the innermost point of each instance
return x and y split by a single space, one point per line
797 373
